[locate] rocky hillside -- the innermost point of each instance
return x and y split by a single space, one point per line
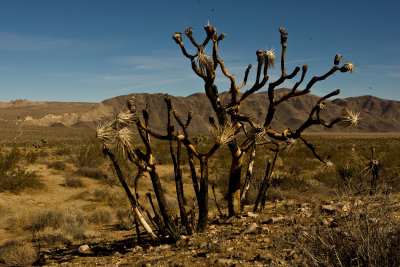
377 115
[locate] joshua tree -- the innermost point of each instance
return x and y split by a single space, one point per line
229 114
229 125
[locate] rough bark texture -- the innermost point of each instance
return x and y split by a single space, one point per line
162 203
203 198
249 173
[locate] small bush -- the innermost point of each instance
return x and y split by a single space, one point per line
88 154
112 198
74 182
18 179
91 172
11 159
57 165
56 226
62 151
125 220
101 216
368 236
84 195
39 220
31 157
14 253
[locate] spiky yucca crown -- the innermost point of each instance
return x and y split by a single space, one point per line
117 132
223 134
204 62
349 119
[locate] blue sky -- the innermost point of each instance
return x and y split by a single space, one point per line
91 50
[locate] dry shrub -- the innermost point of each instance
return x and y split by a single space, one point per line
57 165
14 178
39 220
369 235
125 220
112 198
84 195
56 226
91 172
62 151
18 179
15 253
74 182
101 216
31 157
89 154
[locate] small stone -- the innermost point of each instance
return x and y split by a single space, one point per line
229 249
265 229
251 214
162 247
274 220
203 244
263 258
251 228
226 262
330 209
138 248
84 249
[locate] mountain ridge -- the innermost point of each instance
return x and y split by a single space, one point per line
377 115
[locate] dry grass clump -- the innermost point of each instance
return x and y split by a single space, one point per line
55 226
89 154
113 198
14 178
92 172
16 253
125 220
101 216
18 179
369 235
74 182
57 165
31 157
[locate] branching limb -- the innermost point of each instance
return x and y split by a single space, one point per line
246 75
313 150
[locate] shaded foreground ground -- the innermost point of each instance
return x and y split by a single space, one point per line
266 239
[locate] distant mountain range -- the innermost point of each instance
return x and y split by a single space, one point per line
377 115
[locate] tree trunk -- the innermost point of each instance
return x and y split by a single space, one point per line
203 196
179 186
262 193
249 173
234 184
193 173
162 203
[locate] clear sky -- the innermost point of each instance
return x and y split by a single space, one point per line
91 50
